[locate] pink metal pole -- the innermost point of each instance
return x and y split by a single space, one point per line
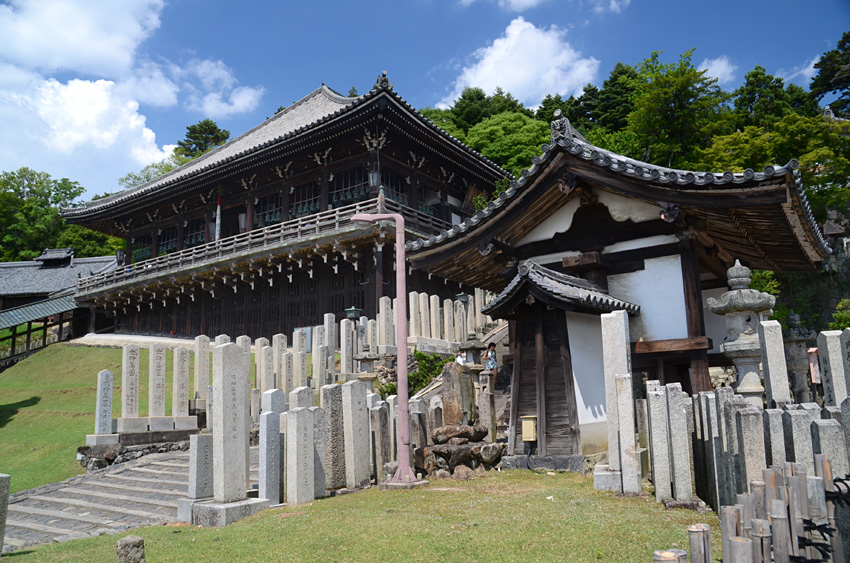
404 473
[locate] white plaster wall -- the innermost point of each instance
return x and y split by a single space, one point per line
621 208
646 242
715 325
660 292
585 335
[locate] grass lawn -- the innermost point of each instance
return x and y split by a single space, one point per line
511 516
47 404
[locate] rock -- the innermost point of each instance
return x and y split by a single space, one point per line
490 453
130 549
462 473
443 434
455 455
441 474
96 463
458 441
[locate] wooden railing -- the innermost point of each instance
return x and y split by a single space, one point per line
266 238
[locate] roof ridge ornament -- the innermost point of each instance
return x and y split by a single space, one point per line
560 128
383 83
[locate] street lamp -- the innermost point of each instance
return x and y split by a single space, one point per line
404 474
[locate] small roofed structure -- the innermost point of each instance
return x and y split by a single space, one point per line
653 237
545 383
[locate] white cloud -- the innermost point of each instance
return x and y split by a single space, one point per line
94 37
73 88
801 74
720 68
529 62
616 6
520 5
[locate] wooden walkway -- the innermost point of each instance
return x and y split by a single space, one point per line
143 492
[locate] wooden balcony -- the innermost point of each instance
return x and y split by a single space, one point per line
311 231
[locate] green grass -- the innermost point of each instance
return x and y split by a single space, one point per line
47 404
499 517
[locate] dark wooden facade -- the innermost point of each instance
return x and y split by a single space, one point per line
286 252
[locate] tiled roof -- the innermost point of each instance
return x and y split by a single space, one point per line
318 107
631 168
562 288
21 279
50 254
59 302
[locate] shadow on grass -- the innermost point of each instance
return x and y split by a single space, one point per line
10 410
14 553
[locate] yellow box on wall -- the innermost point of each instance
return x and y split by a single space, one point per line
529 428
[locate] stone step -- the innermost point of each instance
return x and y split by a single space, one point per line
124 498
12 523
133 488
97 506
63 514
158 472
171 464
14 542
146 479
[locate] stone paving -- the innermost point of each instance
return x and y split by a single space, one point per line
143 492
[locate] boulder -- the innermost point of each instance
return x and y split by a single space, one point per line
463 473
441 474
130 549
443 434
490 453
458 441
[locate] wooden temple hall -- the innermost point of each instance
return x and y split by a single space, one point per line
255 236
585 232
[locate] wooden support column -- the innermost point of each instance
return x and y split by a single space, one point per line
694 312
515 332
180 233
540 369
92 317
14 339
324 190
249 213
284 202
154 242
29 337
44 333
61 323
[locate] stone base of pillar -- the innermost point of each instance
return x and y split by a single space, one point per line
396 486
185 422
185 506
216 515
158 423
101 439
132 424
606 480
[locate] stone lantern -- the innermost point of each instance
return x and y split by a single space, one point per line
797 358
741 307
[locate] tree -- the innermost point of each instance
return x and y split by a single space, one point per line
201 137
87 243
509 139
677 110
154 170
470 108
833 76
821 146
761 100
445 120
801 101
546 109
352 92
615 100
626 143
29 212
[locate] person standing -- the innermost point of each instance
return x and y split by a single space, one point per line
490 362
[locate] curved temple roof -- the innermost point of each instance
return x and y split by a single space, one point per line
311 112
558 290
622 165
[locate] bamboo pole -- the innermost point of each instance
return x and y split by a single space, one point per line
699 540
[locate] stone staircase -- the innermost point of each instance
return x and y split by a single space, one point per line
143 492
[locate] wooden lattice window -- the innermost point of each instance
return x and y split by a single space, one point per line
395 186
142 247
193 233
268 211
306 200
349 186
167 242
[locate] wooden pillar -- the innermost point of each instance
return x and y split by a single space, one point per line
540 368
14 338
284 202
92 317
694 312
44 333
154 242
61 323
29 336
128 249
515 333
181 225
324 190
249 213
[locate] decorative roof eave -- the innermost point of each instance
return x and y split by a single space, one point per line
677 182
556 289
179 175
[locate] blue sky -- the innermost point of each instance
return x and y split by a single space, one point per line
91 90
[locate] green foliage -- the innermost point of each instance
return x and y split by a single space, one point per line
352 92
677 110
445 120
801 101
822 147
429 367
87 243
761 100
626 143
616 99
509 139
29 212
201 137
474 106
387 389
833 75
764 280
154 170
841 316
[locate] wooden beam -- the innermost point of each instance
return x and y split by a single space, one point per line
672 345
515 377
540 372
694 316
